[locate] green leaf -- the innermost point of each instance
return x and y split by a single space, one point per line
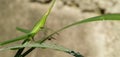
26 36
40 24
44 45
97 18
23 30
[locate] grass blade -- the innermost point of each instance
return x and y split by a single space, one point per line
26 36
98 18
23 30
44 45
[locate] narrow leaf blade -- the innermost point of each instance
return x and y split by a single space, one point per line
23 30
44 45
15 39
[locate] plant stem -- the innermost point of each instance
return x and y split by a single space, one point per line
19 52
21 49
28 51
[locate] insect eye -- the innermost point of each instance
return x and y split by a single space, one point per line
50 38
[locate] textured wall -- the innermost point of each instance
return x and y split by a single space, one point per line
96 39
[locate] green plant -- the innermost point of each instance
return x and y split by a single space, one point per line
40 43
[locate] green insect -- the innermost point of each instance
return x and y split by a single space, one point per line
38 26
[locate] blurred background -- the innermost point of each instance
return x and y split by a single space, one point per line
95 39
